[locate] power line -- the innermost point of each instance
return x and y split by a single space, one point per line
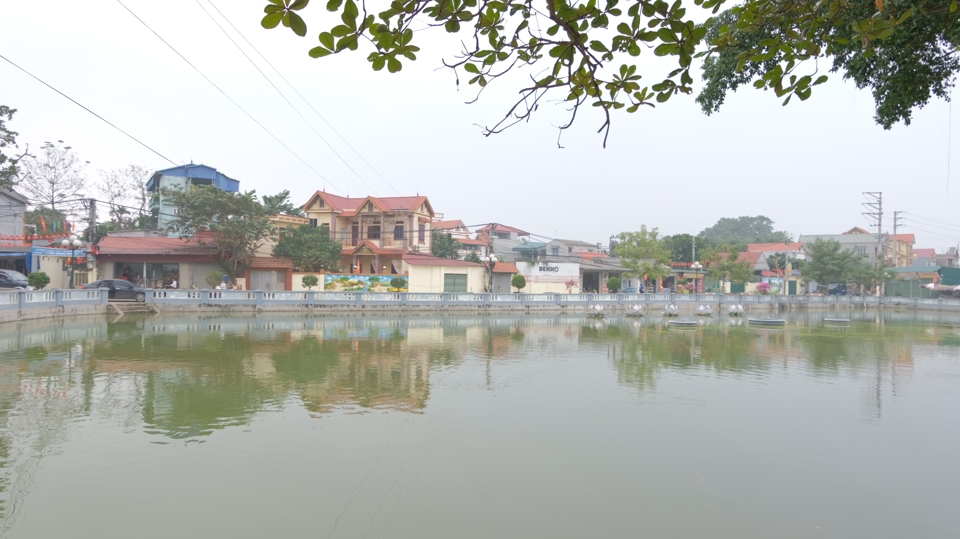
235 44
292 87
933 233
195 68
921 218
75 102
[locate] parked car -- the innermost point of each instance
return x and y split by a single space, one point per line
13 279
120 289
837 290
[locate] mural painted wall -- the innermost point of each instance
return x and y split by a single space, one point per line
362 283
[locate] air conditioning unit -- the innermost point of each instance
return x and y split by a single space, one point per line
416 248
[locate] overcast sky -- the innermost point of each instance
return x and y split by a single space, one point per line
804 165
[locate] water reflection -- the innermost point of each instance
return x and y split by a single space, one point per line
182 380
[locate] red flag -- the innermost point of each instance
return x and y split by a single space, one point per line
43 223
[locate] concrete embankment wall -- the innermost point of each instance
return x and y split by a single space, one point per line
29 305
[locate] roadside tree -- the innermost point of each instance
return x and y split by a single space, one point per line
54 179
743 230
828 262
8 139
236 222
310 281
445 246
643 254
280 204
312 249
38 280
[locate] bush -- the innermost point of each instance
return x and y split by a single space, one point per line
214 278
38 280
613 284
519 282
310 281
398 282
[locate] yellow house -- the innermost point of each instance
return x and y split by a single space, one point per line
374 232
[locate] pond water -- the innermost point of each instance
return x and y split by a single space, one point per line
462 427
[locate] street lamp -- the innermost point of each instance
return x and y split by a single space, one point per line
492 262
73 243
696 267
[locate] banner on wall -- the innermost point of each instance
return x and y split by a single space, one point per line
363 283
549 272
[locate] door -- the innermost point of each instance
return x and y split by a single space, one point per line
266 280
454 282
354 234
792 288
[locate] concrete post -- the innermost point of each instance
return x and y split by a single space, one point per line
58 298
259 295
204 297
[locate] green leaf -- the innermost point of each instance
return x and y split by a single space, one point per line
319 52
326 39
452 26
470 68
271 20
393 65
297 25
299 4
953 6
820 80
379 62
334 5
272 9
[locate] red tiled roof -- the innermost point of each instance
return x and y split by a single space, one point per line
505 267
752 258
114 245
340 203
447 225
502 228
426 260
856 230
591 256
905 238
925 253
773 247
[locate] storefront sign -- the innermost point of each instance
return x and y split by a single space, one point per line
66 253
549 272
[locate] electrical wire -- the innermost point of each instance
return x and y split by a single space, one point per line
922 219
315 111
264 75
195 68
934 233
75 102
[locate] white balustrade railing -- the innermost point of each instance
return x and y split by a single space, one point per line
37 296
9 298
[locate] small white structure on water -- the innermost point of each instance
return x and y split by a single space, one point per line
735 309
704 310
595 311
635 310
671 309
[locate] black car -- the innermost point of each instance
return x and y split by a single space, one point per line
120 289
13 279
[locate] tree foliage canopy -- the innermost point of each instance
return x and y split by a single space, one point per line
8 139
312 249
829 263
445 246
586 53
904 51
743 230
280 204
643 253
237 222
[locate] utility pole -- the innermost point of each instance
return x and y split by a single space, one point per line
92 233
896 253
875 203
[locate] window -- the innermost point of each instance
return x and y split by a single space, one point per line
422 234
369 206
398 232
555 251
343 234
454 282
320 203
313 223
373 232
861 250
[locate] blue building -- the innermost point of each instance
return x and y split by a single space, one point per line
181 178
